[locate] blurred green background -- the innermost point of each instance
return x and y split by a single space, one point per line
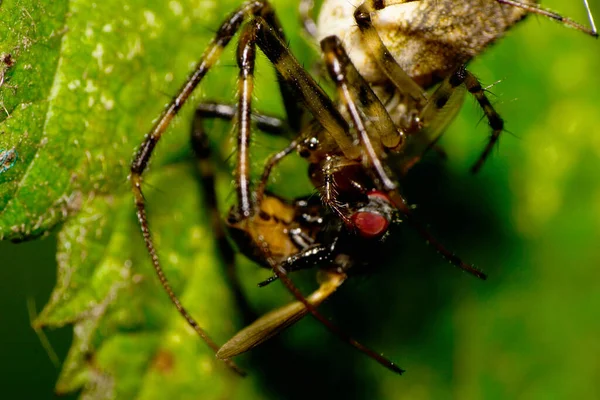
530 219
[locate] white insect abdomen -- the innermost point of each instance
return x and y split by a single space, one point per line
428 38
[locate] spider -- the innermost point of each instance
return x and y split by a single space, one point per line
381 123
287 236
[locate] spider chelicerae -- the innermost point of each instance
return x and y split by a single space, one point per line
399 70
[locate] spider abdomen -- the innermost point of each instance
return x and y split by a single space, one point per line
428 38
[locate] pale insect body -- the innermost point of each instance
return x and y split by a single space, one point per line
402 48
427 38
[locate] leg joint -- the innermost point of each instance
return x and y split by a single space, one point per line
362 16
458 77
496 122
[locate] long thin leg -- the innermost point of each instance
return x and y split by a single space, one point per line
281 273
400 203
346 77
319 105
536 9
496 123
269 165
402 82
306 89
266 123
444 103
590 16
354 93
223 36
201 148
246 58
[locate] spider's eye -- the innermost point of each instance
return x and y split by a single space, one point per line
370 225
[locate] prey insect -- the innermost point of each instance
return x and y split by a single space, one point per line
382 121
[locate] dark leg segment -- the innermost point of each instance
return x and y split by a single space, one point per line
281 273
536 9
363 106
494 120
305 88
403 83
315 100
447 94
223 36
400 204
201 148
346 77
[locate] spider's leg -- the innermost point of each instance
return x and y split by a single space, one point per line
223 36
400 203
226 112
402 82
362 106
281 273
305 88
440 110
536 9
246 59
200 145
325 112
376 130
445 95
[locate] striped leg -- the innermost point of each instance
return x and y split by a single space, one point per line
434 117
305 89
325 112
536 9
201 148
267 124
445 96
360 101
223 36
403 83
363 106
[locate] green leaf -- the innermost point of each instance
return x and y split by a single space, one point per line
82 83
128 343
